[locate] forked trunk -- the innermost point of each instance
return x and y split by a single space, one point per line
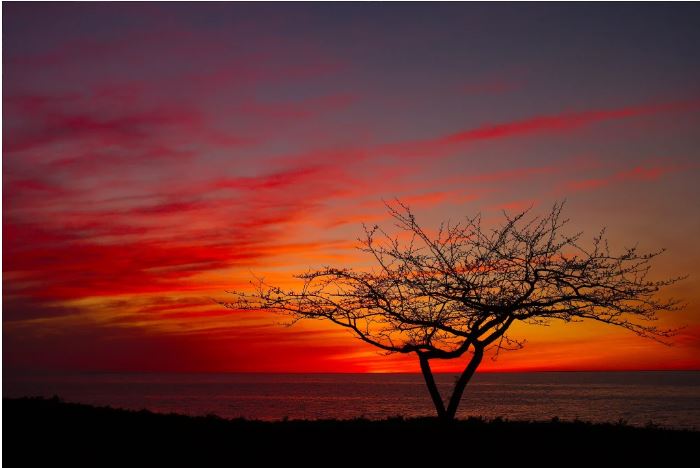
450 412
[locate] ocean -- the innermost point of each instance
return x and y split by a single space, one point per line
666 398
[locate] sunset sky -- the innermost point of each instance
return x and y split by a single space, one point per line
157 155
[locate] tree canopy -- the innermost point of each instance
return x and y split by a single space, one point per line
458 290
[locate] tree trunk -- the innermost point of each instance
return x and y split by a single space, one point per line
432 388
451 410
461 383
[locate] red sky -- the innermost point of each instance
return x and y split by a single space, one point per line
155 156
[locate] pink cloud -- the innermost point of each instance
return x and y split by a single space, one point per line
558 123
95 121
639 173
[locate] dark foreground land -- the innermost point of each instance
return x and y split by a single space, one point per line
49 429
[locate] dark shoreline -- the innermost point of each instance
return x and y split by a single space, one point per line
66 429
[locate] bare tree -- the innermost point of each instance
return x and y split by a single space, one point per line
459 290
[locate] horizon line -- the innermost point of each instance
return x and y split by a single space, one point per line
185 372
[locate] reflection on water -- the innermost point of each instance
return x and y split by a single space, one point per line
666 398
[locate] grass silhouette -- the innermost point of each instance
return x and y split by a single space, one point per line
76 433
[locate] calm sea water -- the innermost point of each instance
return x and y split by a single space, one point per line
667 398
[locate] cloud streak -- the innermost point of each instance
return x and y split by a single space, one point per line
555 123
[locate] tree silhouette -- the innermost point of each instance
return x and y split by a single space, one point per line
459 290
